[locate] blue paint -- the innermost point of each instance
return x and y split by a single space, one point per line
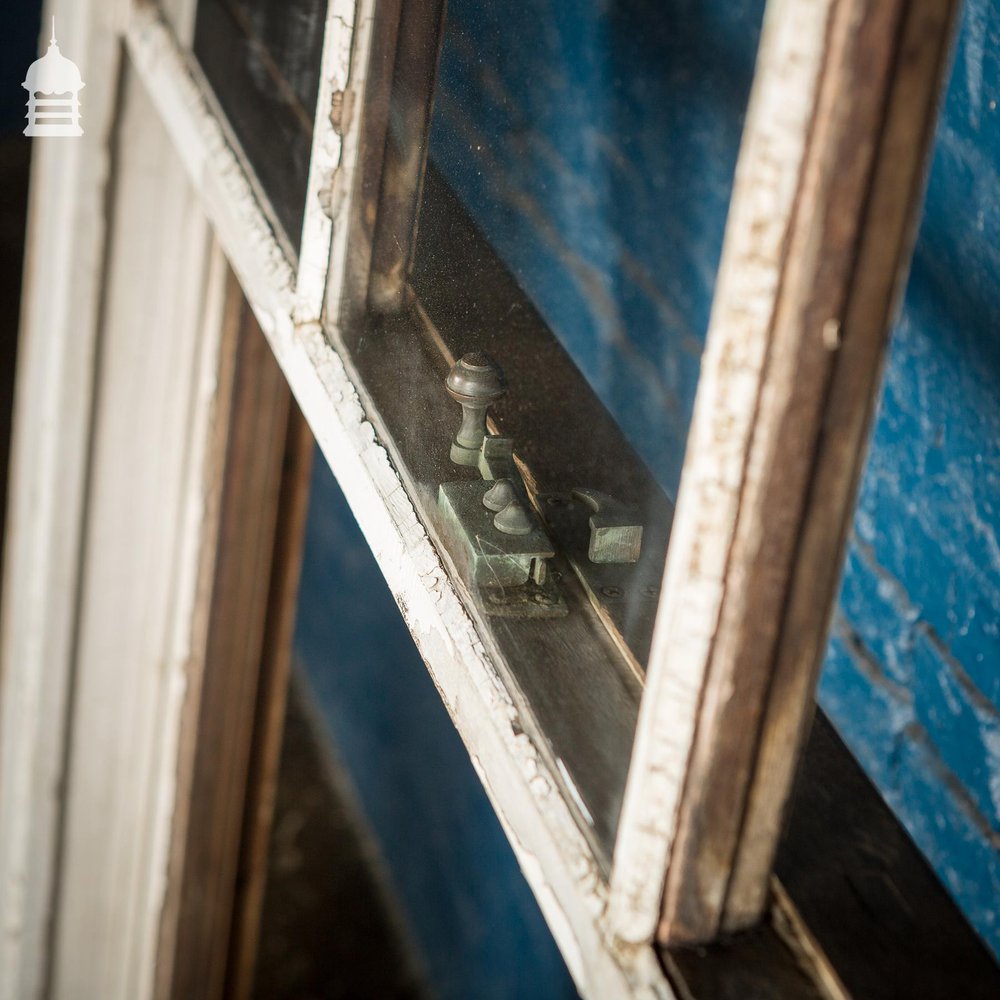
902 759
470 910
595 143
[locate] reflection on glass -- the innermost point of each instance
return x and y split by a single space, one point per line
581 164
262 58
594 144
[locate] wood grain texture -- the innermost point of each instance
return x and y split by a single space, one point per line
857 911
356 184
807 312
232 721
518 775
781 314
411 101
768 173
922 45
272 695
216 447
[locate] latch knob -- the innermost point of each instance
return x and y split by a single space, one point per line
500 494
514 519
476 381
615 532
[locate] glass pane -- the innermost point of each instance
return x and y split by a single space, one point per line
262 58
594 145
571 220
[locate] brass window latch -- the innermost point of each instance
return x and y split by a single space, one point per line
506 539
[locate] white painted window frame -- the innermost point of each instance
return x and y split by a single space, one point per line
113 745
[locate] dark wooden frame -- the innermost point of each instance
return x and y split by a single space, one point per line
847 256
234 717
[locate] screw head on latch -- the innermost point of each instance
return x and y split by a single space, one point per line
476 381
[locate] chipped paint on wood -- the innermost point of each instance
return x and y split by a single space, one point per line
767 180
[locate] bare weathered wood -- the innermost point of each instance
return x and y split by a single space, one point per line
356 184
417 52
222 711
237 612
209 846
766 186
857 910
110 506
920 58
807 196
125 755
809 302
272 695
215 450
